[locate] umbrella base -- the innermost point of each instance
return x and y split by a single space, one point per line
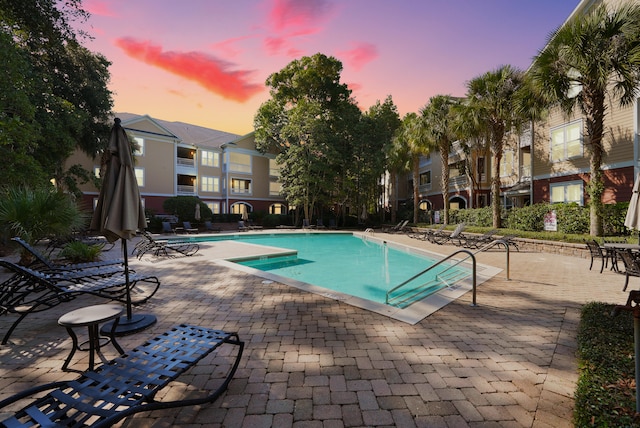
127 326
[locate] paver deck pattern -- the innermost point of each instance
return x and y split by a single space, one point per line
311 361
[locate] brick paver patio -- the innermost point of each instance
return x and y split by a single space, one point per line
311 361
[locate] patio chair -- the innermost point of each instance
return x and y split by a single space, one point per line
166 228
44 262
478 241
209 227
396 227
597 252
28 291
164 247
188 228
427 234
456 237
129 384
631 266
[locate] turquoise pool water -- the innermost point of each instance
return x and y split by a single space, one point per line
350 265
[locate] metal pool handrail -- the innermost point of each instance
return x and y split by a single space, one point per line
469 253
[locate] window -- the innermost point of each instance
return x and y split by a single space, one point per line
139 142
210 184
506 163
277 209
140 176
241 208
274 168
210 158
425 178
239 162
214 207
566 141
274 188
570 191
240 186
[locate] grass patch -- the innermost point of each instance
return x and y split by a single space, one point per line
605 394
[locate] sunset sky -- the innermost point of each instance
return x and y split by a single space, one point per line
205 61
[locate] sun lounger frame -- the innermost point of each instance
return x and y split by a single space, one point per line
28 291
128 384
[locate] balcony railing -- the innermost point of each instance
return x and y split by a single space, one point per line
186 190
186 162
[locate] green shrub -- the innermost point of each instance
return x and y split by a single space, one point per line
80 252
530 218
481 217
184 207
613 216
605 394
275 220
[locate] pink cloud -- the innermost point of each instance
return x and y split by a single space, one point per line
297 13
97 7
360 55
211 73
228 47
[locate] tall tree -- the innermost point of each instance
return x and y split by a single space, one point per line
411 135
310 121
587 60
63 101
378 127
491 103
439 120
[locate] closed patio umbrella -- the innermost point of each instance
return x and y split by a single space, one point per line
119 214
197 213
632 220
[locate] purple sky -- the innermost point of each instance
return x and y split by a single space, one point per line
205 62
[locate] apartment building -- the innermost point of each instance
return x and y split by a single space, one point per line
547 162
224 170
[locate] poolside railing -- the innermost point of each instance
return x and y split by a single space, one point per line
410 294
405 293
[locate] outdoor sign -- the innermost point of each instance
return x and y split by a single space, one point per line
436 216
550 222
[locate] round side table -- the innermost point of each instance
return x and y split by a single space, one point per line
91 317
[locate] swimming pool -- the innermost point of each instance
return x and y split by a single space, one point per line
288 257
353 265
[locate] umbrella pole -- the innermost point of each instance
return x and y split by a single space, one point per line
128 324
125 257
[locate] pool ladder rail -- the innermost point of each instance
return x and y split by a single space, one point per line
404 298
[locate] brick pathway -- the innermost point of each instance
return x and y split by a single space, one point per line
315 362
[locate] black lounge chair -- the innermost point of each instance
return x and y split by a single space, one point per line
169 248
28 291
128 384
41 261
166 228
428 234
397 227
188 228
478 241
456 237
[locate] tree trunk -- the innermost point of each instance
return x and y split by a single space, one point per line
416 188
444 157
495 188
595 111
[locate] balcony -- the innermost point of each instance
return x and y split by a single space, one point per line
186 190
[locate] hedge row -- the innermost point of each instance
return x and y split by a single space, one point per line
571 218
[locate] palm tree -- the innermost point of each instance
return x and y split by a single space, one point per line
398 162
438 118
491 100
587 60
411 135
